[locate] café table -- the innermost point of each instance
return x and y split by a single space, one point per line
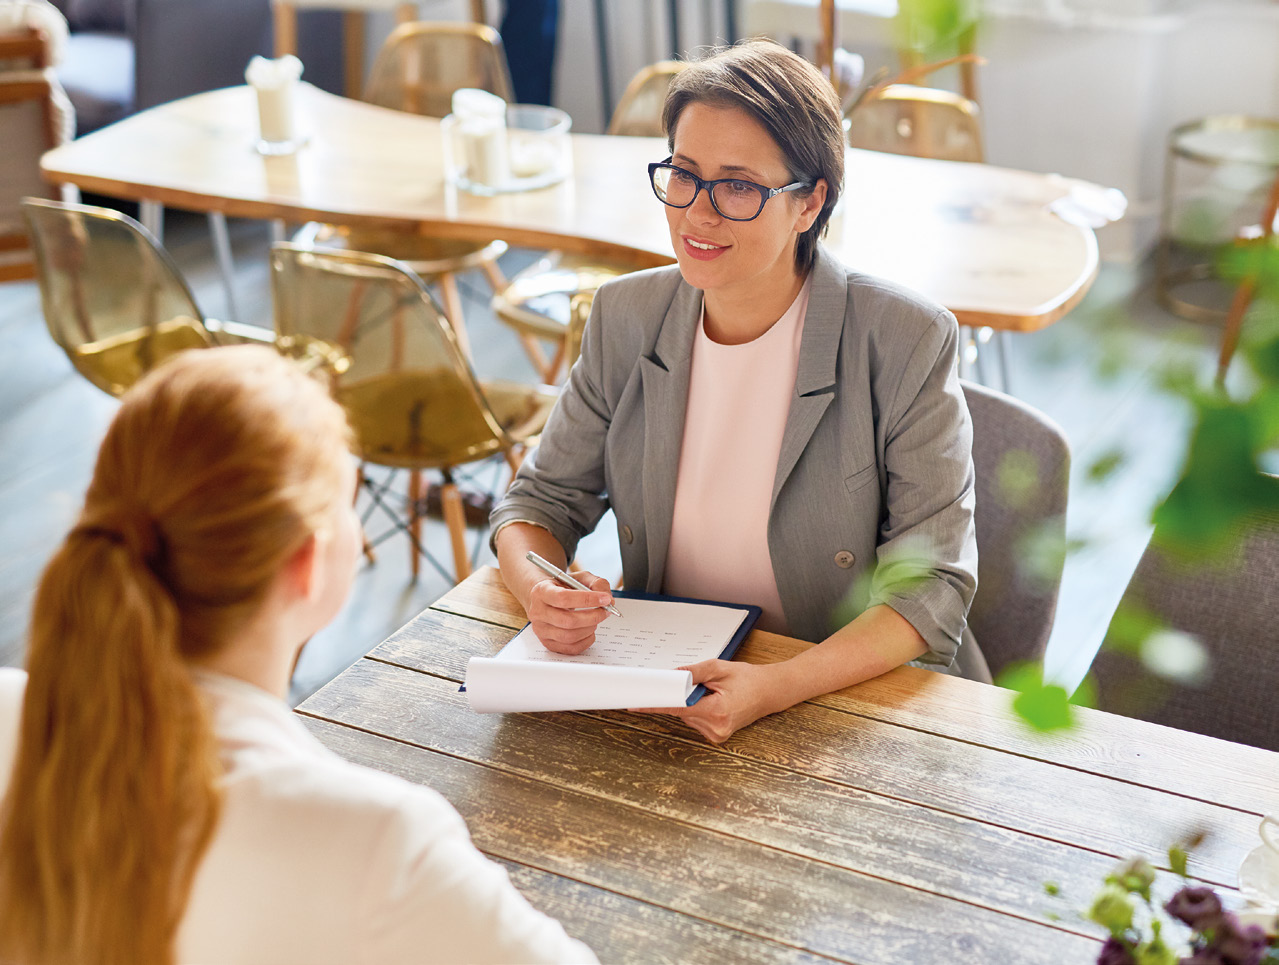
979 239
912 818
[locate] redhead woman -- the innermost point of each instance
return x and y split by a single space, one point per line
768 426
160 801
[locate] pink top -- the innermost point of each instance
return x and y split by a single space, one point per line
738 400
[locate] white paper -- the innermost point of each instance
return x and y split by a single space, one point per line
633 662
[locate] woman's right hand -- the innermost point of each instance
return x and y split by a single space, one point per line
565 619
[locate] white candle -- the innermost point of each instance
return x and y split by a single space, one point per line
274 81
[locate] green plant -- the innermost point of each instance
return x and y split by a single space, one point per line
1190 928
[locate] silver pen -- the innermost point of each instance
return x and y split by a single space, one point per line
551 569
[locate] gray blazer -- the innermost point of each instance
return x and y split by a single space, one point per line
873 489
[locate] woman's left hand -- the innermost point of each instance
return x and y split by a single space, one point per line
740 694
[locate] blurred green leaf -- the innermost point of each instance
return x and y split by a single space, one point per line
1220 486
1129 628
1263 356
1041 553
1052 888
1045 707
1112 910
1180 379
1105 465
1257 259
1177 858
926 26
1155 952
1085 694
1017 477
1204 222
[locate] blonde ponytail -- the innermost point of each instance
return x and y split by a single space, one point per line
215 470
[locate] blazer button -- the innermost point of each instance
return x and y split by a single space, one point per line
844 559
627 535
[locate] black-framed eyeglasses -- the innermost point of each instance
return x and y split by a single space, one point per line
734 198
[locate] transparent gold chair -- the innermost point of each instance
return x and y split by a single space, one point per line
578 313
113 299
932 123
417 70
536 303
396 366
919 122
639 112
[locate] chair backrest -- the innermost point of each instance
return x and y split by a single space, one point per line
422 64
391 357
1022 463
112 297
579 312
918 121
639 112
1229 606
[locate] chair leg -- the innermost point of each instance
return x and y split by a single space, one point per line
455 519
553 369
415 518
367 547
453 310
495 276
515 458
533 349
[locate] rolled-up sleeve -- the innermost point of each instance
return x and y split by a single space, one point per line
927 555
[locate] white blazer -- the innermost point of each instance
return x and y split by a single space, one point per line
319 860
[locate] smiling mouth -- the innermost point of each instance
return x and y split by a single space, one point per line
703 245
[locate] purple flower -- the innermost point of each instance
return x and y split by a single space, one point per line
1115 952
1237 945
1194 906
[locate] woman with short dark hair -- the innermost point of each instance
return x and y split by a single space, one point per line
768 426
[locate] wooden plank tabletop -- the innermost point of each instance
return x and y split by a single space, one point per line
910 818
977 238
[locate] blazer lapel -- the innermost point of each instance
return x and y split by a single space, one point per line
664 376
818 351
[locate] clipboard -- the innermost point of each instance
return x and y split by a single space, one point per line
753 614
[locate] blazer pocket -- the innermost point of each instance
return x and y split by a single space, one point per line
859 479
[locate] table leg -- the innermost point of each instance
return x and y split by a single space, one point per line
1005 364
222 251
151 214
453 311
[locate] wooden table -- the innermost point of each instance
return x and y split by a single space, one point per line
978 239
909 819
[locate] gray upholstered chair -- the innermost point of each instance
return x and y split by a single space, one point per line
128 55
1022 461
1232 609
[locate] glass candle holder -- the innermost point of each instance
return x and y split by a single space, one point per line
532 151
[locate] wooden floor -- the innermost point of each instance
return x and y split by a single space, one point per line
1095 372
